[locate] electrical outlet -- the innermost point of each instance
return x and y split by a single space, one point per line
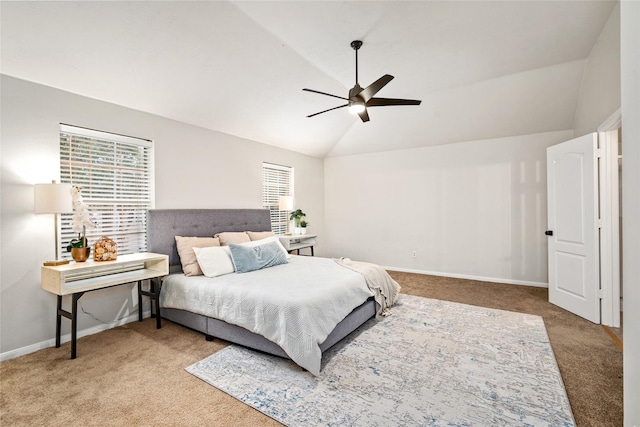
413 254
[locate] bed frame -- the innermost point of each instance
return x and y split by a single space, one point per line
162 227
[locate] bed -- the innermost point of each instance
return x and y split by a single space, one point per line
164 224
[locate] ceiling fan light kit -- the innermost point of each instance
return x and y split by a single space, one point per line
359 99
356 107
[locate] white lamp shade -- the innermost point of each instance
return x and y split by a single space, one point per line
53 198
285 203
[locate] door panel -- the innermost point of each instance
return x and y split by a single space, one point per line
568 169
570 274
572 193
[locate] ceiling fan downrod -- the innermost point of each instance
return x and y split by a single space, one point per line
356 44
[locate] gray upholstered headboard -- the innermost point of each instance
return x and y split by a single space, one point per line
164 224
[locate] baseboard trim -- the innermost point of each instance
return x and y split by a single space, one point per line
470 277
12 354
613 336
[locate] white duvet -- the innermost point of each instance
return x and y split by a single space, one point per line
296 305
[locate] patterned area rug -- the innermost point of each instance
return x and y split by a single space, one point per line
431 363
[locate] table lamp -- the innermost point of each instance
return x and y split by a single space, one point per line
53 199
285 203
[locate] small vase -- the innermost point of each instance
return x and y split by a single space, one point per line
303 230
80 254
296 230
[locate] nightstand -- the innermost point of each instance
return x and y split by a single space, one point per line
77 278
295 242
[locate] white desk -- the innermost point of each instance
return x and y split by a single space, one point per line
76 278
295 242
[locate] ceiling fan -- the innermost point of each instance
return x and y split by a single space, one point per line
359 99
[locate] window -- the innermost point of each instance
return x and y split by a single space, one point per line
114 176
276 181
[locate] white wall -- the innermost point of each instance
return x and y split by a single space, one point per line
612 81
630 46
474 209
195 168
600 88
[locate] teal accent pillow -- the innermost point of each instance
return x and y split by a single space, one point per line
246 258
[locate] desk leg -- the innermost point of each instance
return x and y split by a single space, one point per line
312 251
154 294
73 316
74 322
58 320
156 291
139 300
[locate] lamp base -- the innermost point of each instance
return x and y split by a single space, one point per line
56 262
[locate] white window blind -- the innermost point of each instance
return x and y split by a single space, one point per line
114 176
276 181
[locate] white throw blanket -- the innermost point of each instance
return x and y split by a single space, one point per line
385 289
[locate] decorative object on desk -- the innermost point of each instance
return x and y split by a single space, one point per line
79 250
79 222
285 203
80 254
53 199
303 227
297 215
105 249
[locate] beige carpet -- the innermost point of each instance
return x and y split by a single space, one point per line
134 374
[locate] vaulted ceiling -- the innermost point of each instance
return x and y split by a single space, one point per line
483 69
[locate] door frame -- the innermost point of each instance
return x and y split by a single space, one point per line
610 220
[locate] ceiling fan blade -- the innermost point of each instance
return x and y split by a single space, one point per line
381 102
334 108
364 116
327 94
368 92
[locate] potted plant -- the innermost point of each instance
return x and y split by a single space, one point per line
303 227
297 215
81 219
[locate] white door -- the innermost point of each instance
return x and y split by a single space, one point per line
572 198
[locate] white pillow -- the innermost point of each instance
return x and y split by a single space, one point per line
214 261
255 243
